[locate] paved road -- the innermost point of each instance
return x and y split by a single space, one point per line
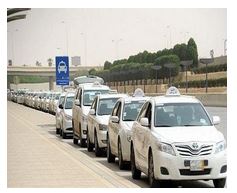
37 157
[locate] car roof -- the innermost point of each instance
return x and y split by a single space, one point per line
130 98
70 94
93 86
104 96
175 99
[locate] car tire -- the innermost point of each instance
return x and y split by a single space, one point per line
110 156
83 142
219 183
122 164
57 131
98 151
64 136
89 144
75 141
136 173
152 181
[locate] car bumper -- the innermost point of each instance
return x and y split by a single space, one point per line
171 167
67 126
102 138
84 129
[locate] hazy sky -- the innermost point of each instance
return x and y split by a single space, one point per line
108 34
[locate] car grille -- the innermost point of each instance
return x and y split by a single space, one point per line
187 172
187 150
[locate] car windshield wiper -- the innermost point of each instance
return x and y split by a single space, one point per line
163 126
128 120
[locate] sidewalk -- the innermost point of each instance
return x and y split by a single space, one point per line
36 159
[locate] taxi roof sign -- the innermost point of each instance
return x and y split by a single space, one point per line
138 93
172 91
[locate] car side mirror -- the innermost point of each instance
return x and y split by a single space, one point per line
92 112
77 102
216 120
115 119
60 106
144 122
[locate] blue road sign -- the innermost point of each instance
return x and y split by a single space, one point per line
62 70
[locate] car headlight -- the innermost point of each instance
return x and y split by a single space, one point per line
102 127
220 146
165 147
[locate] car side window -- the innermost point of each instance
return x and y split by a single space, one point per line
142 112
77 95
115 109
118 113
80 94
148 113
94 104
114 112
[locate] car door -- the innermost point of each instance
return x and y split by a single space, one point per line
91 120
79 112
137 135
146 138
113 127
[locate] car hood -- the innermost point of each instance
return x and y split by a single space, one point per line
190 133
104 119
68 111
128 124
85 110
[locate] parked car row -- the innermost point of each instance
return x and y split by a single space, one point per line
41 100
169 137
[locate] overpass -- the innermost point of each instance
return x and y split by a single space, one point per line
46 71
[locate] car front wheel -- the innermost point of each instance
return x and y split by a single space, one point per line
110 156
136 173
152 181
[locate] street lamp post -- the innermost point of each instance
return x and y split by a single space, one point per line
169 66
85 46
66 29
206 61
117 47
156 68
186 63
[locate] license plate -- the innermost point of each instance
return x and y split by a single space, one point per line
196 165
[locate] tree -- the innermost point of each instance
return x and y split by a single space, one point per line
38 63
50 62
181 51
161 61
192 53
107 65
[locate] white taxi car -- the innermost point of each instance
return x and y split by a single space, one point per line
66 114
174 138
98 118
123 115
85 95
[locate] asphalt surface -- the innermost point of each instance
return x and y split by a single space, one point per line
37 157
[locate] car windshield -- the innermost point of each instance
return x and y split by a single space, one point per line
180 114
131 109
89 96
106 105
69 102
